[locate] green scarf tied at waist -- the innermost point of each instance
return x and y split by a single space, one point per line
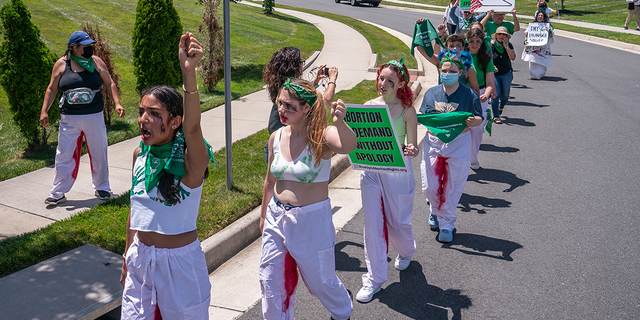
168 157
445 126
87 64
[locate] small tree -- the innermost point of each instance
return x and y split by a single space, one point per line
268 6
155 39
25 70
102 50
213 62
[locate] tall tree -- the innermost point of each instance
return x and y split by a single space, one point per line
25 71
213 62
155 39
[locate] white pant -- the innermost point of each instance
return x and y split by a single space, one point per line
71 132
445 169
387 202
476 132
537 71
302 236
176 281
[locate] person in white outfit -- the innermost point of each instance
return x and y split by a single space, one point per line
387 198
295 219
80 76
445 166
164 272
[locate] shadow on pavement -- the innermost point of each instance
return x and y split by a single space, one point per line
416 299
515 103
553 79
517 122
344 262
494 148
467 203
477 245
484 176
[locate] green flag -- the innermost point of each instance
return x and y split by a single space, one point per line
445 126
489 122
423 33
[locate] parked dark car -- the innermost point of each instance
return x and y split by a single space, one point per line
374 3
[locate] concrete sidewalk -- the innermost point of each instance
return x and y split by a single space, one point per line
21 198
555 20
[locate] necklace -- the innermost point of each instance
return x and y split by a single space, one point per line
393 105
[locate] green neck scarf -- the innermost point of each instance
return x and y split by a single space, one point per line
168 157
400 65
445 126
499 47
308 96
88 64
467 23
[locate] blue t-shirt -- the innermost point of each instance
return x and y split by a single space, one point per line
463 99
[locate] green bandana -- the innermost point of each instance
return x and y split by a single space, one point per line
85 63
450 59
308 96
467 23
445 126
169 157
499 47
400 65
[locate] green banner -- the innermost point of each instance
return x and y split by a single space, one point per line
445 126
378 148
465 5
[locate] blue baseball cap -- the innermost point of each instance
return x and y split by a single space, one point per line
80 37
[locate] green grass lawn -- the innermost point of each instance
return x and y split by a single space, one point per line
104 224
254 38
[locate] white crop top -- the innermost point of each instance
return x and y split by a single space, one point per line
149 212
301 169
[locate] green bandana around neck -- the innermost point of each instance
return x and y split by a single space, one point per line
400 65
467 23
308 96
88 64
169 157
499 47
445 126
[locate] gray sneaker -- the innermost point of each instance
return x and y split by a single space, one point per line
103 195
53 201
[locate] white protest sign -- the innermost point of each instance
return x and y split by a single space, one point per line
496 5
537 34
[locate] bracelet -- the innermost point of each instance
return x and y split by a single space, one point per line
330 82
190 92
124 255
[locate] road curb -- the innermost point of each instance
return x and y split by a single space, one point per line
226 243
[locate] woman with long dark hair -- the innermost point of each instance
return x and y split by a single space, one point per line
539 57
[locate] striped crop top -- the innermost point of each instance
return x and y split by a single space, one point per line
301 169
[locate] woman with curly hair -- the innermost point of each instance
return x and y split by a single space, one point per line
387 198
296 221
483 66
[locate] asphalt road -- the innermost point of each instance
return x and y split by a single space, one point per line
548 227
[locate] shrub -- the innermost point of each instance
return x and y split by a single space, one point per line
213 62
25 70
155 39
268 6
102 50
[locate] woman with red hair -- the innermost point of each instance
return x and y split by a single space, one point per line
387 198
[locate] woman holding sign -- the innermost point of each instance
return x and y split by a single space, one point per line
387 198
537 51
483 65
296 225
450 110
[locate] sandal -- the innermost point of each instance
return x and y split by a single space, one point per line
497 120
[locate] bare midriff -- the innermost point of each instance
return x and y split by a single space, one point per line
167 241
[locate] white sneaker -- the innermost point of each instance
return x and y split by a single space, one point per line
402 263
475 166
366 293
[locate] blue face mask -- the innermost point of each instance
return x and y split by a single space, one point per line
449 78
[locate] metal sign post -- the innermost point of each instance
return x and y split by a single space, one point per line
227 92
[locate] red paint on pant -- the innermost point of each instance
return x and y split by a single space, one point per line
77 153
290 279
385 230
442 172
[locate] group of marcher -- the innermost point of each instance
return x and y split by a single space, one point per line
164 271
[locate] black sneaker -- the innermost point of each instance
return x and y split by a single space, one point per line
52 201
103 195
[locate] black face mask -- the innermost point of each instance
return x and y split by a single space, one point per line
88 52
